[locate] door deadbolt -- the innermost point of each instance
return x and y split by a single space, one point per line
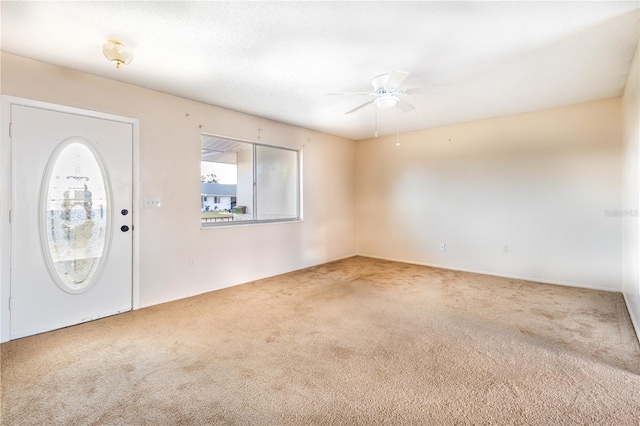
124 228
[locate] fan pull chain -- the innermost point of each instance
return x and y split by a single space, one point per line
397 126
376 115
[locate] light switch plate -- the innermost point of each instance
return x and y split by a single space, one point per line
152 203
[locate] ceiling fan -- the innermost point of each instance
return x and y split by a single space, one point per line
386 92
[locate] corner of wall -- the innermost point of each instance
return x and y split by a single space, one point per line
631 192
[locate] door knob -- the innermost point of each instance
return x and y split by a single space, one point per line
124 228
124 212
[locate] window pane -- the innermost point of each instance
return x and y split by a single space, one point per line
276 183
243 209
226 180
76 203
243 181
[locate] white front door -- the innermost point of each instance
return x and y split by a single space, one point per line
71 221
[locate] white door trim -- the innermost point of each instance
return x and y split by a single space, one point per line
5 198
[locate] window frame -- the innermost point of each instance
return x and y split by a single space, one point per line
254 220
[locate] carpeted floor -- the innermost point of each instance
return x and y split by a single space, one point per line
354 342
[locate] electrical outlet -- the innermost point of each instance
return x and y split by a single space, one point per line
192 261
505 248
442 246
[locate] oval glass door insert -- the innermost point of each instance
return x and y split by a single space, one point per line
75 216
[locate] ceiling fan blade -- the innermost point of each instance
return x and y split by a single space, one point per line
424 90
360 106
351 94
404 105
417 91
395 80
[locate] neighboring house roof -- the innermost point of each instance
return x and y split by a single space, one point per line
218 189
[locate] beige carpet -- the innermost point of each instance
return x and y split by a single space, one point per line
354 342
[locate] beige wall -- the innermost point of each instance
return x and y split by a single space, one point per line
538 182
170 168
631 191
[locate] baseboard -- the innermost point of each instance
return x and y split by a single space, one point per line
473 271
635 321
262 277
339 258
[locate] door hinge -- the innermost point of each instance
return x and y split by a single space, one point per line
10 299
10 127
10 215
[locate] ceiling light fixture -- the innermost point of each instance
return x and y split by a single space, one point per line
387 101
117 53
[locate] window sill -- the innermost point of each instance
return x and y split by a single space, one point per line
232 224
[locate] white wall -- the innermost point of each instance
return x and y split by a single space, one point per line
538 182
224 204
631 192
170 168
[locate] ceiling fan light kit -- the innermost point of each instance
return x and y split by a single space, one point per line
387 101
117 53
386 92
386 95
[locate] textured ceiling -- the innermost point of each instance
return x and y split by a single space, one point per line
279 59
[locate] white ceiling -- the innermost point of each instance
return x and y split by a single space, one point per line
279 59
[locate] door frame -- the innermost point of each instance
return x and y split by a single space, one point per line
6 190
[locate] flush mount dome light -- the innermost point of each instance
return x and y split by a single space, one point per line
386 101
117 53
